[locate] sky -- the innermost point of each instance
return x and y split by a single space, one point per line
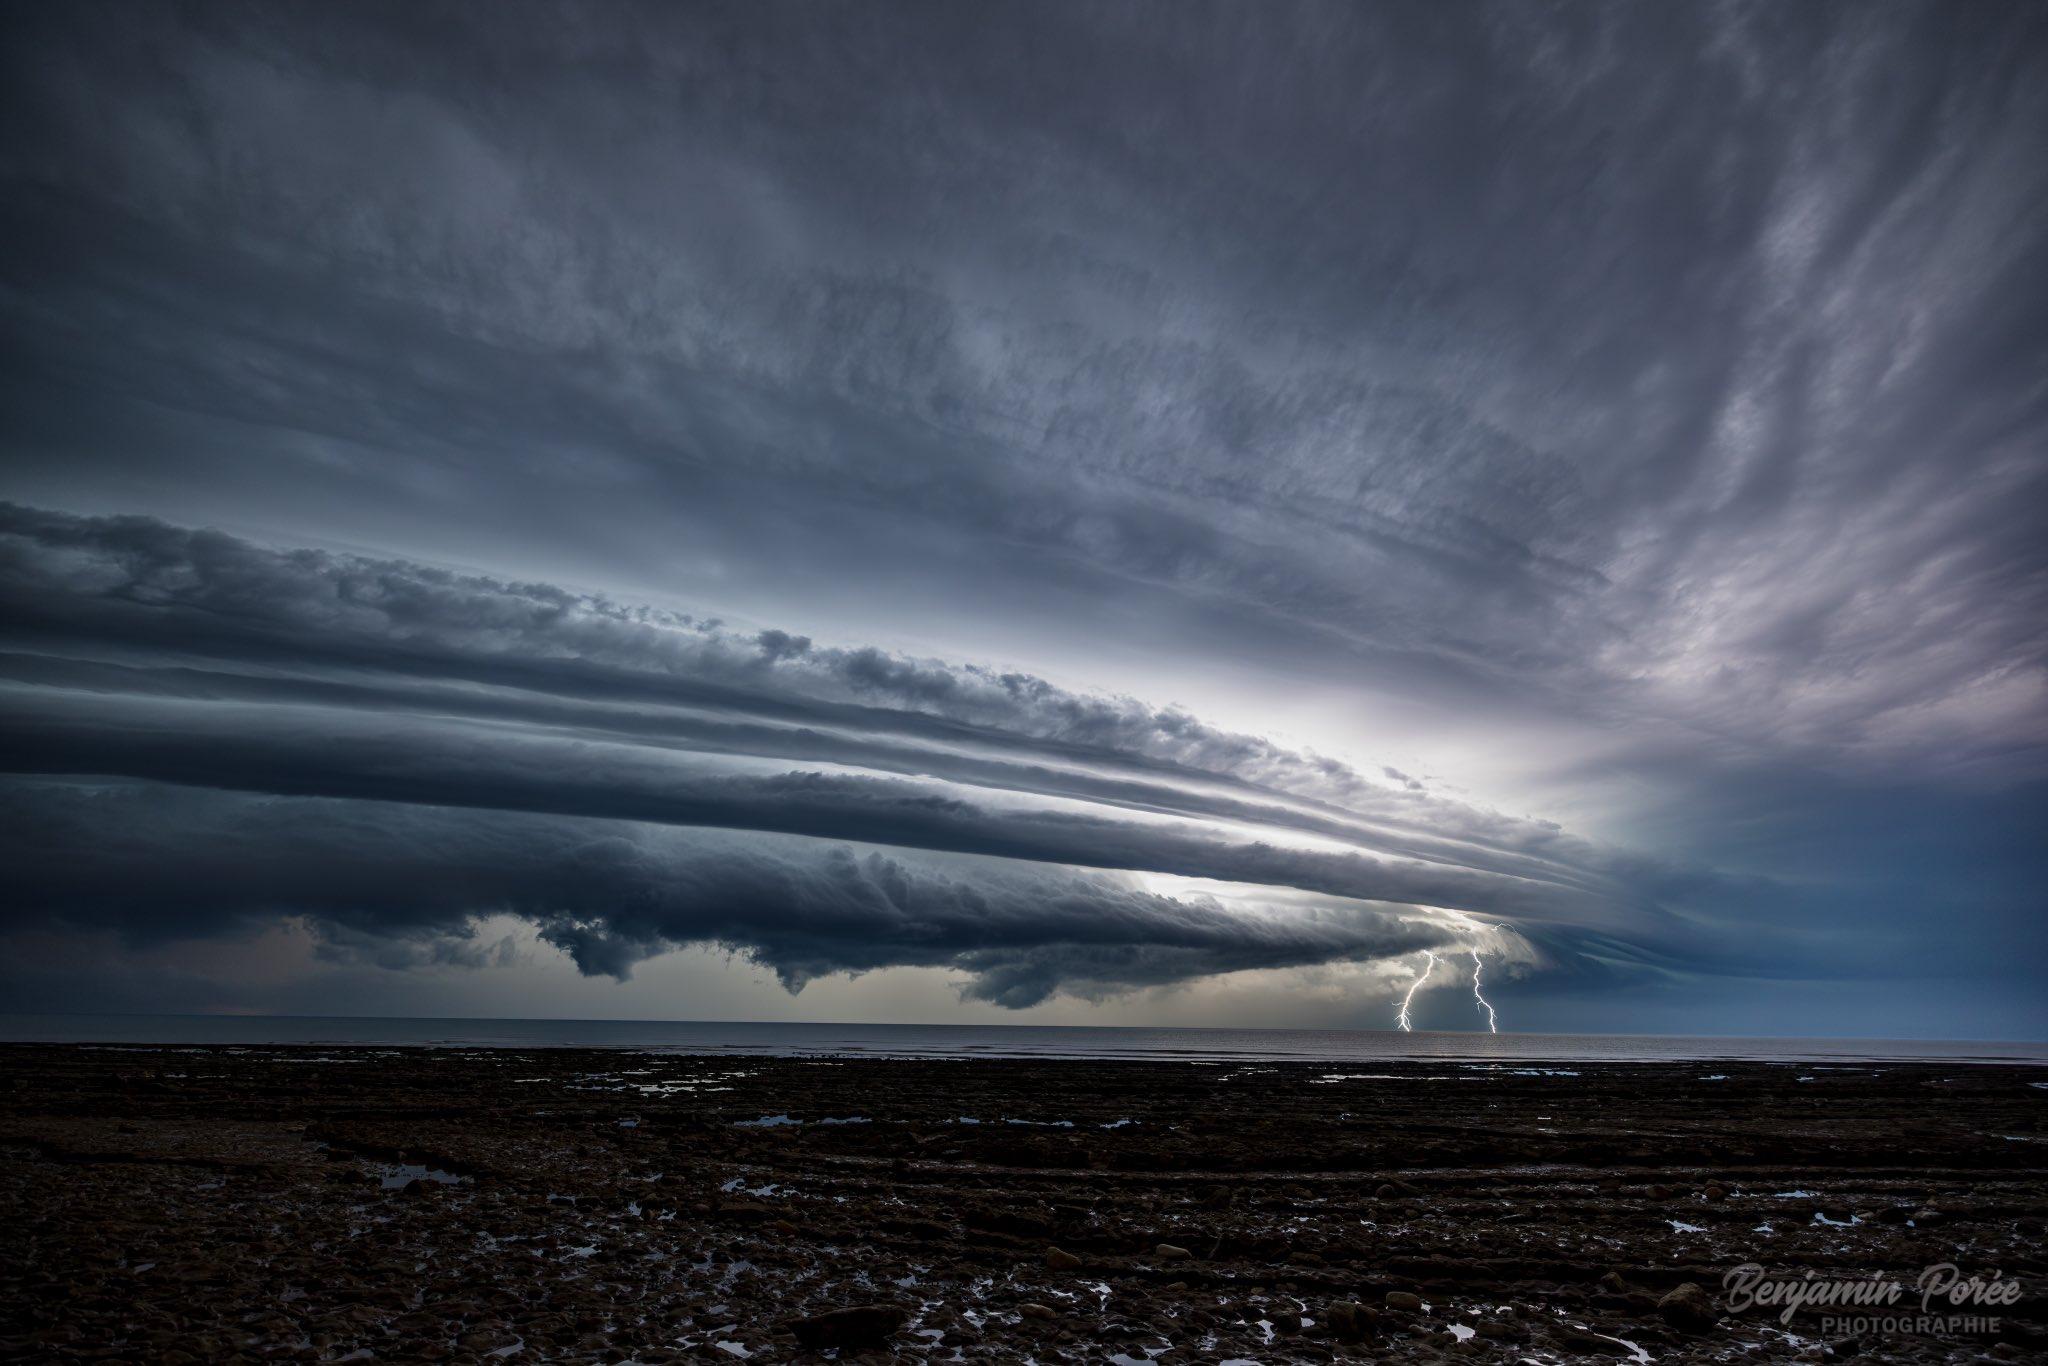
1034 513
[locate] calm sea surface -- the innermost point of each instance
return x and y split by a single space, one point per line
999 1041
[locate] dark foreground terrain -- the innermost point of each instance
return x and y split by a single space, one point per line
414 1205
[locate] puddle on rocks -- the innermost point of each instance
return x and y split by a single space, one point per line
393 1175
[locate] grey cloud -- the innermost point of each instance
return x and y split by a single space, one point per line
384 682
1542 858
171 587
144 585
404 884
396 760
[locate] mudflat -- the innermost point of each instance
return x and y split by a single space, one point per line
331 1204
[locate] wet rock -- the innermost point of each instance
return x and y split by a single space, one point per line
1688 1309
1715 1194
1059 1259
1350 1321
1404 1302
1034 1310
2030 1338
485 1340
860 1325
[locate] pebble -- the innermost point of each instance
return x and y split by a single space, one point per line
1350 1321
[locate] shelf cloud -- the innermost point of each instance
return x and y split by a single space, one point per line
560 744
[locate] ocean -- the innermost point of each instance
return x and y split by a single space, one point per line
986 1041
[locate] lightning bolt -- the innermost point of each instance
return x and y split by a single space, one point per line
1492 1020
1413 987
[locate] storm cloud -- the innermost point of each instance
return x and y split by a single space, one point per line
384 685
402 885
1060 446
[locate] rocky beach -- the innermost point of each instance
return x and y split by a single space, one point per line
401 1204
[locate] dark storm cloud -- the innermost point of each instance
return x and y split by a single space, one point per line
578 662
142 581
1662 381
405 884
389 684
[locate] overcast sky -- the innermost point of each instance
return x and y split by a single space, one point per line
1028 512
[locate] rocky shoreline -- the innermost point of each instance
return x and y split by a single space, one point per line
333 1204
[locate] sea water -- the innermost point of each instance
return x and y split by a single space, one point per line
992 1041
